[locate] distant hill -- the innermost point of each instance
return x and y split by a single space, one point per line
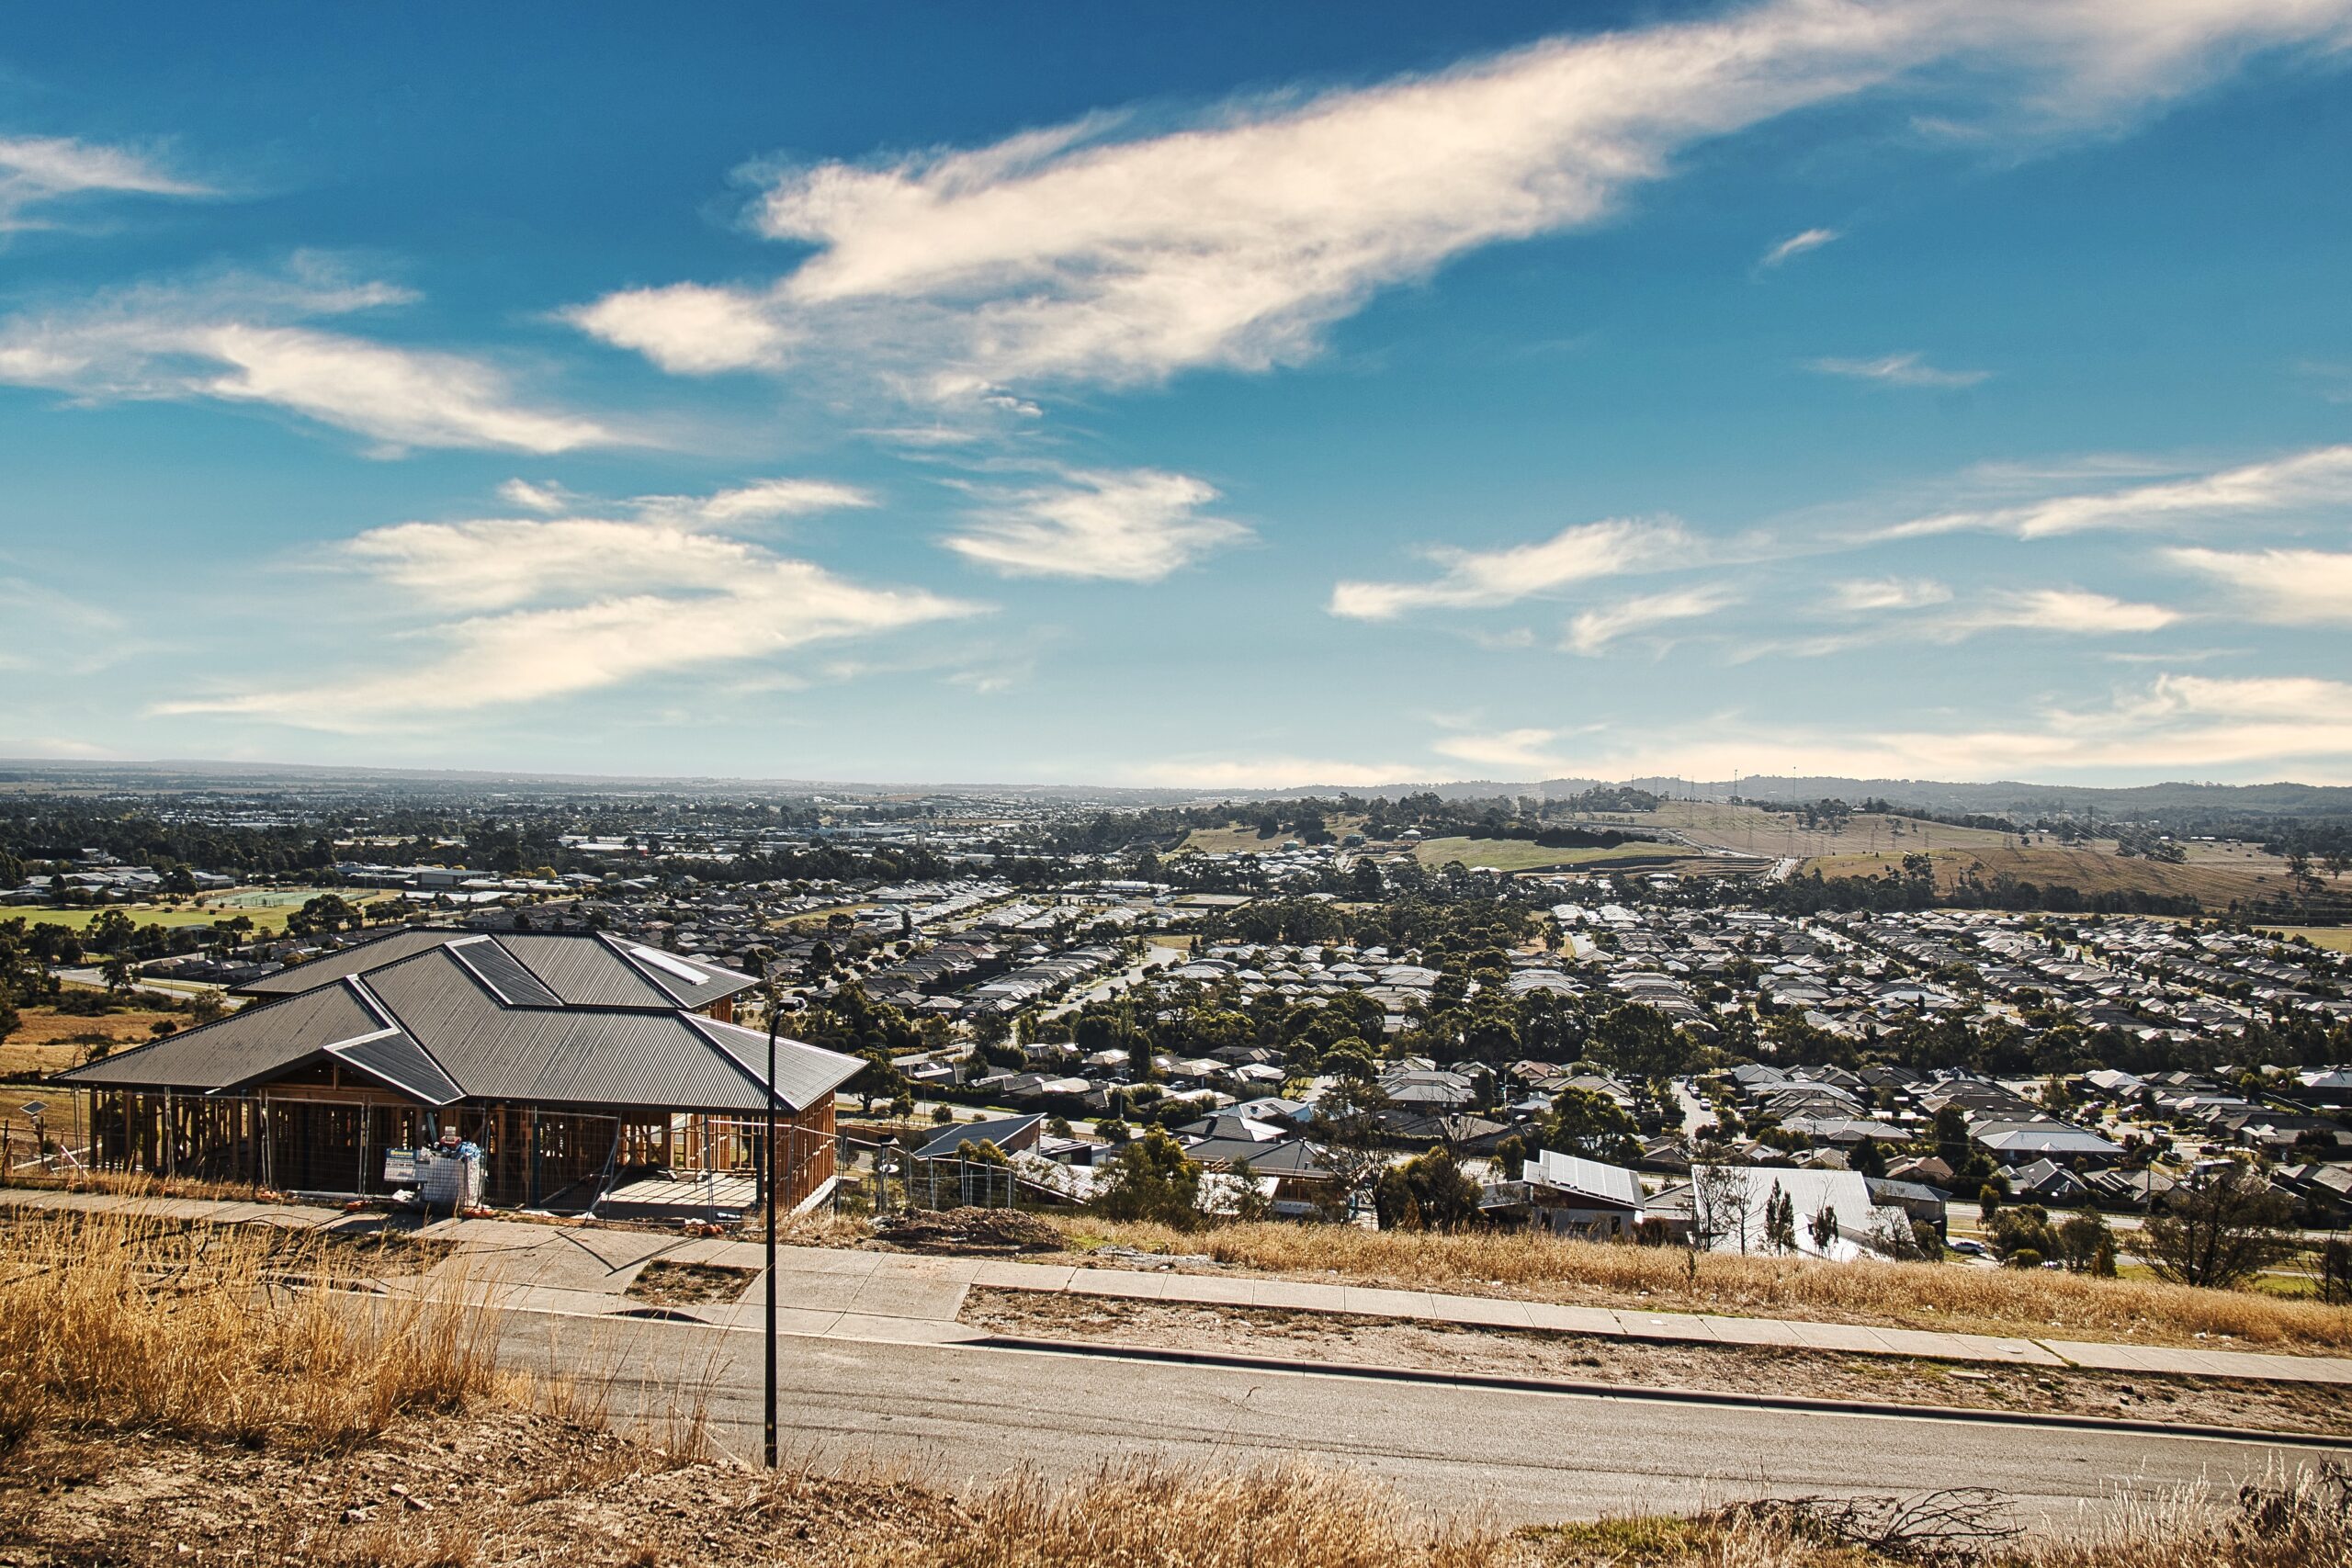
2006 797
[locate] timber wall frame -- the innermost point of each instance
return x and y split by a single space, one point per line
331 1139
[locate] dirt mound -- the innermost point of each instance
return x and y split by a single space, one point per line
970 1230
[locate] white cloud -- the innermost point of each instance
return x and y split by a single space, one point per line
533 655
1134 525
1511 753
1594 630
1863 596
688 330
1797 244
2321 477
2289 587
1898 370
774 498
1483 578
2070 610
37 170
1092 252
534 608
547 499
232 340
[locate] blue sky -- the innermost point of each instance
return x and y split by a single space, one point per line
1184 394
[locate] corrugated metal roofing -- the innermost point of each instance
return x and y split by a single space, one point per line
504 974
259 1040
669 972
402 1063
804 1073
585 972
432 1021
317 972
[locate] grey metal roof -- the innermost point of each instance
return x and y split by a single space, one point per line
533 968
584 972
691 982
402 1063
327 967
804 1073
503 974
999 1131
260 1040
456 1019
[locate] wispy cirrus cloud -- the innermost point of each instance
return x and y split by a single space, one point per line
39 172
2289 587
1129 526
1898 370
1592 631
2073 611
1866 596
532 609
1485 579
1797 244
246 339
1101 253
2319 477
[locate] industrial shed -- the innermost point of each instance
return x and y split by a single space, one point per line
575 1061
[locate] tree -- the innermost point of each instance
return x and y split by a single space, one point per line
1347 1125
1868 1158
2218 1229
1640 1043
1781 1221
1722 1205
1823 1228
1152 1180
1592 1125
879 1079
1510 1156
1249 1200
110 933
119 971
2335 1272
327 914
2087 1243
2024 1228
1427 1193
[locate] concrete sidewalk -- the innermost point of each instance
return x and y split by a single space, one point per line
835 1293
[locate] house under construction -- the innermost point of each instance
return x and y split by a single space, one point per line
578 1063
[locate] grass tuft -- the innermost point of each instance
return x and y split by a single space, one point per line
247 1333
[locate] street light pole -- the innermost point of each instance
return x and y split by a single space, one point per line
767 1160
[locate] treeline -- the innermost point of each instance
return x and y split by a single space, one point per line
35 832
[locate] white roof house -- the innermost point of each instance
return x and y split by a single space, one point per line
1860 1220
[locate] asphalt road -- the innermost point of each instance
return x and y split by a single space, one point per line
964 1414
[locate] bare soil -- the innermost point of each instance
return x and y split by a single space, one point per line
1346 1339
447 1490
664 1284
971 1232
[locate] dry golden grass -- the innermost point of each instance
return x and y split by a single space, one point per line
245 1333
1943 1297
2085 870
1148 1515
